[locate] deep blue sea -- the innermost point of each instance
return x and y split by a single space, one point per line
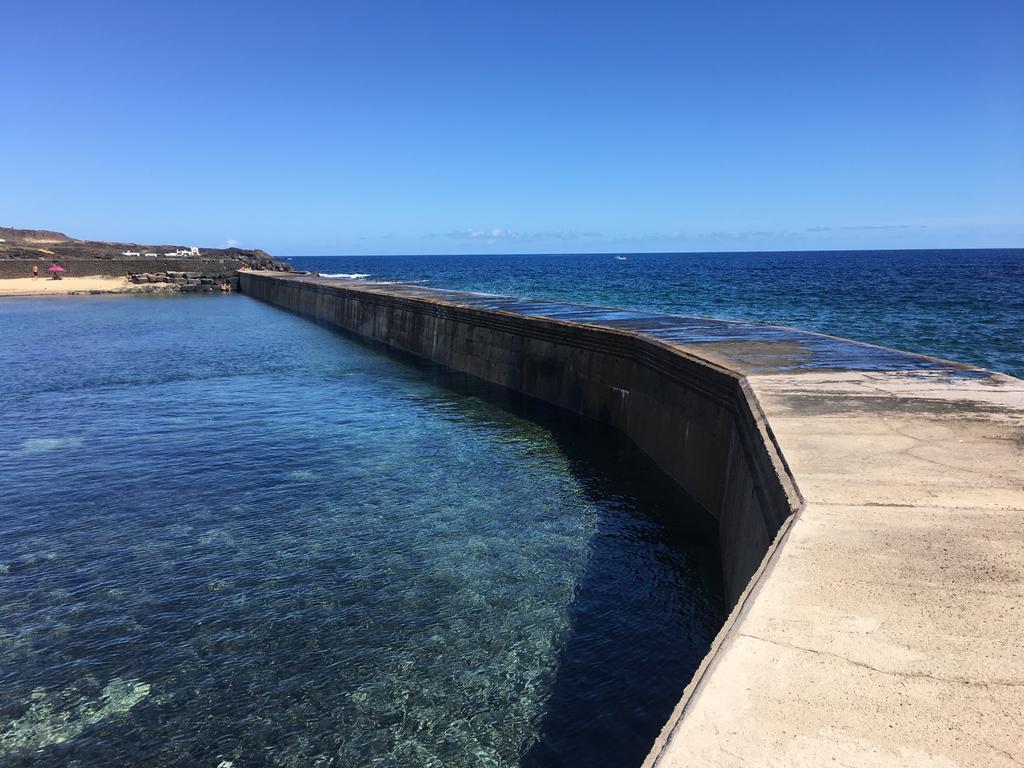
962 305
231 537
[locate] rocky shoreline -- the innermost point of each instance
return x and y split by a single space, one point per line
186 282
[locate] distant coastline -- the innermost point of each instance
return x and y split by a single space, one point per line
35 245
90 266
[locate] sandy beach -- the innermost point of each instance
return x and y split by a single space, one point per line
41 286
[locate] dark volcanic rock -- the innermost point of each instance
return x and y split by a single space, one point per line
45 245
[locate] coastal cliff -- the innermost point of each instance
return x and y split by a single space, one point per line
20 249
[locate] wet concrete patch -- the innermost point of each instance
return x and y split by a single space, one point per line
749 348
829 404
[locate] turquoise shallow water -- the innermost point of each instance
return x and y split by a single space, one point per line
957 304
230 536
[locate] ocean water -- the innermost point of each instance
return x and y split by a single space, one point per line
961 305
231 537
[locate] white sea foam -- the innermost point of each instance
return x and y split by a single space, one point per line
363 275
43 444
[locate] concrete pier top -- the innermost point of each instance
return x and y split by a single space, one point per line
885 625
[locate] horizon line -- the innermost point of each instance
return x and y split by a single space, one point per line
640 253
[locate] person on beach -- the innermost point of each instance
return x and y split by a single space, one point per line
35 271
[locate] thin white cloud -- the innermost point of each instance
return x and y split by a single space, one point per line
503 234
494 233
864 227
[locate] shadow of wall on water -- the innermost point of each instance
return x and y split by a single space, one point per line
647 606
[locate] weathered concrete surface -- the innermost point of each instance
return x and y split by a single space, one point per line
887 629
886 625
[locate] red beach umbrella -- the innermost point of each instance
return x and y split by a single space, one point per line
55 268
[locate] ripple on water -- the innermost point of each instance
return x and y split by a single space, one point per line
308 553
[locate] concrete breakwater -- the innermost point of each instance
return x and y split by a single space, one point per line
870 506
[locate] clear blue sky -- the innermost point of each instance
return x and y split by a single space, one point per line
433 127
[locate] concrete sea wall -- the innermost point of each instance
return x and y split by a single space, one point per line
877 618
695 419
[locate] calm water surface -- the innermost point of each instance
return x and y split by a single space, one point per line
963 305
230 537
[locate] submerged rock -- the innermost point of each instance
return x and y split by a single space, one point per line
45 724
